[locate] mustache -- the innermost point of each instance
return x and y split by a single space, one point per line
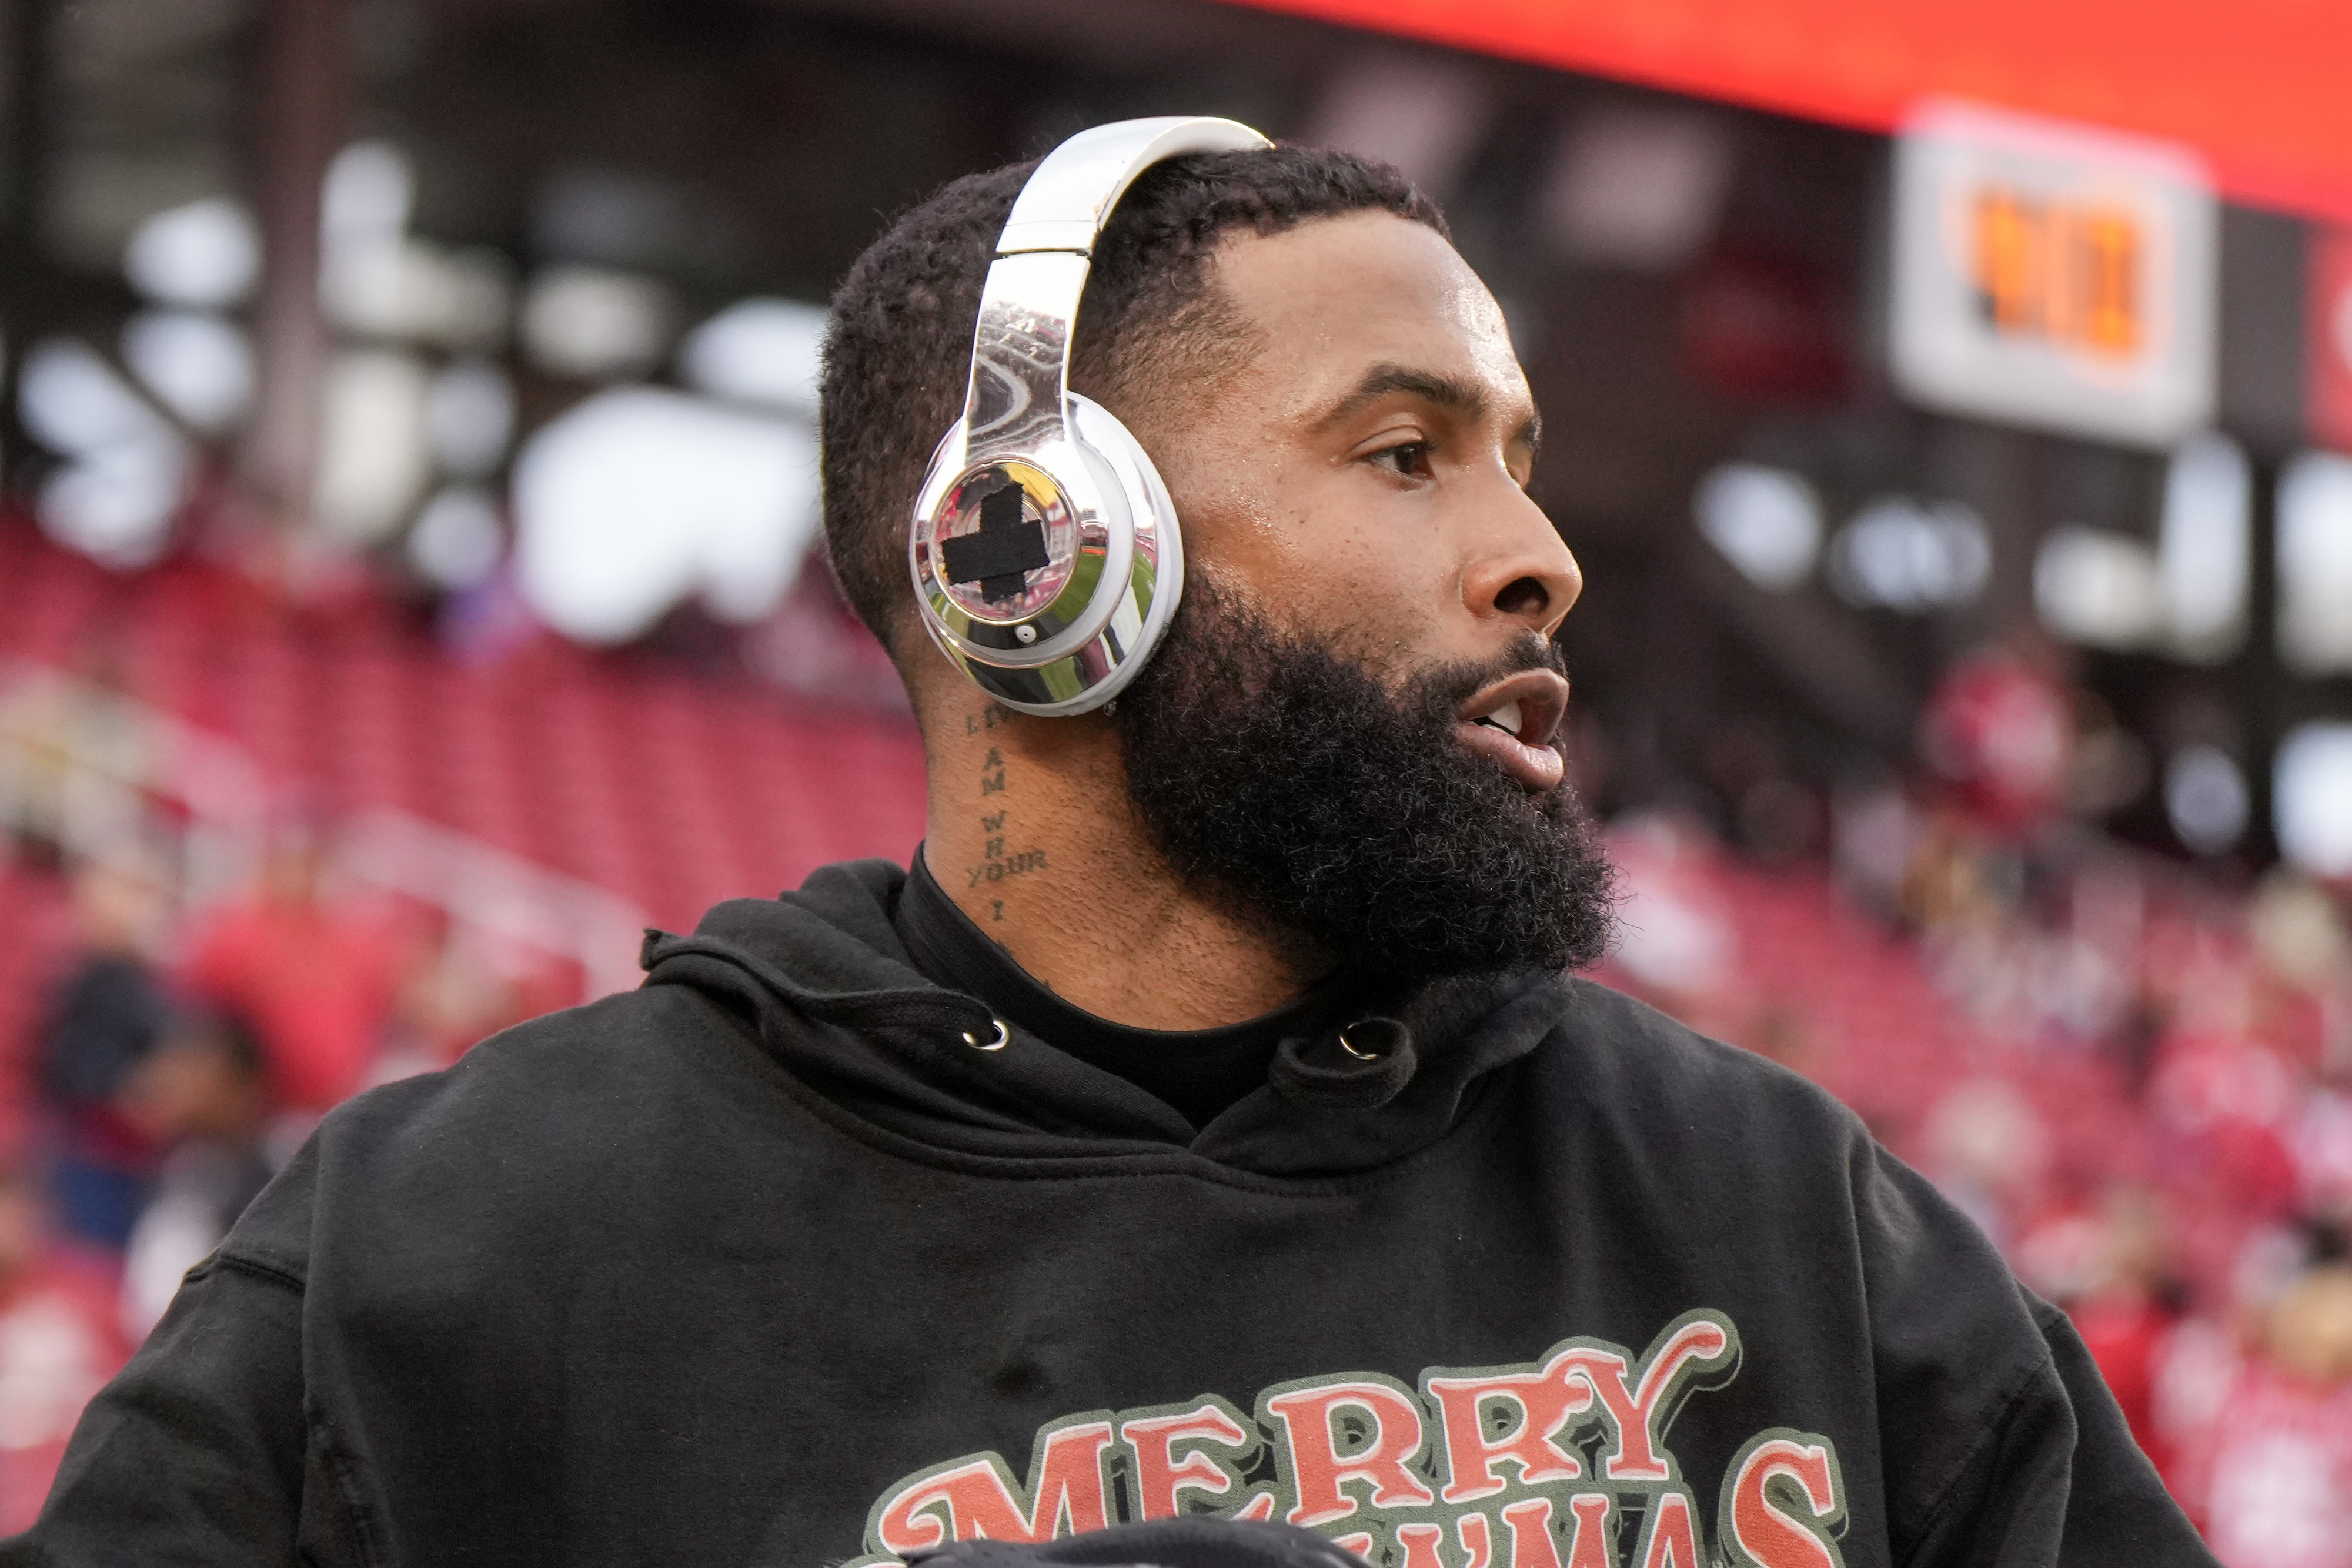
1448 685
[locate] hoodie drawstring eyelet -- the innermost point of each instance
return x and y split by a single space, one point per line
1002 1035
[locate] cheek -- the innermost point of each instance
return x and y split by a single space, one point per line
1323 556
1388 605
1235 518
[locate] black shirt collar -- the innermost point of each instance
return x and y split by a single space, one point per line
1198 1072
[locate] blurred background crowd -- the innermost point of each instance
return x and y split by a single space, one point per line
406 587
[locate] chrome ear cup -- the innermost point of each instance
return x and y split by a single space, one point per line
1049 574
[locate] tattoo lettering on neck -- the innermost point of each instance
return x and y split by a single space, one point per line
996 862
986 718
1009 866
1000 908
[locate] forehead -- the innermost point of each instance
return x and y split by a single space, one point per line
1336 294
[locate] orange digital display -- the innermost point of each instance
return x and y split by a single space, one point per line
2054 275
2065 271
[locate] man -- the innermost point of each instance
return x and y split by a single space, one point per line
1205 1122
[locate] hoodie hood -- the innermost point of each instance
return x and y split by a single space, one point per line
823 977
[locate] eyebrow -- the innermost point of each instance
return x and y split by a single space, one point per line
1444 392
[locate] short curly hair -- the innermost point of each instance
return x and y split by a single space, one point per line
897 354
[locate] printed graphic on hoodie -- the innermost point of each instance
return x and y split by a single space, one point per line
1561 1462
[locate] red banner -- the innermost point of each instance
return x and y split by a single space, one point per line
2258 86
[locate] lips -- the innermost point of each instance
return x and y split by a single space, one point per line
1514 720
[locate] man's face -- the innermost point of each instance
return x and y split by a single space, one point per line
1362 478
1349 727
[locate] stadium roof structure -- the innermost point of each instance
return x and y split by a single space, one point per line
2257 86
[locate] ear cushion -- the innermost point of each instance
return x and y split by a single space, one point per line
1131 482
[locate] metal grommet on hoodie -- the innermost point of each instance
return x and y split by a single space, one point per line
1362 1064
1002 1035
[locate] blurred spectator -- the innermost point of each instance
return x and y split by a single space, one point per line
2268 1434
1672 934
2110 1269
58 1344
206 1093
74 751
462 985
2323 1155
314 983
108 1015
2221 1102
1999 731
1874 835
1987 1149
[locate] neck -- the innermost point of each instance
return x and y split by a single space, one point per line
1031 832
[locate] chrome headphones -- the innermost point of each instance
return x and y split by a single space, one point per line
1045 553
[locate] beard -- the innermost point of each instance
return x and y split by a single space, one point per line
1283 776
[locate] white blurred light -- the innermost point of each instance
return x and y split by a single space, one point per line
372 460
757 351
2204 551
1905 556
2188 595
205 254
114 498
595 325
455 542
2098 587
1766 522
1424 115
1636 188
116 505
200 365
375 279
2311 789
369 191
2205 796
412 289
2314 563
71 400
469 418
638 498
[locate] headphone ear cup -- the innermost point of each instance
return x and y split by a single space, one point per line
1112 576
1128 480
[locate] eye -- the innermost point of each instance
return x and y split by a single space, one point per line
1410 459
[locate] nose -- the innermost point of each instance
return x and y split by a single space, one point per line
1521 569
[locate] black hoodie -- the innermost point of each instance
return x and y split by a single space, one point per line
769 1262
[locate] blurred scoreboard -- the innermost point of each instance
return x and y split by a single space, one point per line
2054 275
